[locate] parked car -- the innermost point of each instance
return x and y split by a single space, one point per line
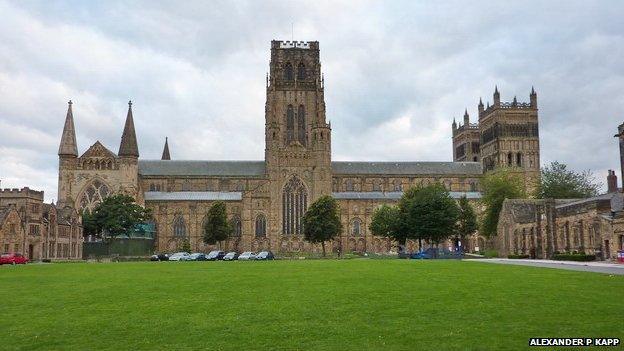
433 252
230 256
13 258
215 255
198 256
247 256
179 256
265 256
159 257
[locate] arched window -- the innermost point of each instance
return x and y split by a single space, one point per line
290 124
397 185
376 185
301 125
301 72
356 227
519 159
186 186
93 195
237 226
260 225
179 227
152 187
294 206
509 159
349 185
288 71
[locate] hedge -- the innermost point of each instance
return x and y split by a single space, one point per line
518 256
573 257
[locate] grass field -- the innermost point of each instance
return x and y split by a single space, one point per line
302 305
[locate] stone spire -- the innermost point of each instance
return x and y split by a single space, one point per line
480 106
533 98
68 145
128 146
496 96
466 118
165 154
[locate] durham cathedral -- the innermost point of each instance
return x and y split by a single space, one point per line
266 199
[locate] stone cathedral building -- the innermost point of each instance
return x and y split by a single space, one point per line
266 199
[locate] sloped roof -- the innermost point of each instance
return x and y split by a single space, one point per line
394 195
193 196
201 168
406 168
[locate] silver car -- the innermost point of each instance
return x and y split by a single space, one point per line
247 256
180 256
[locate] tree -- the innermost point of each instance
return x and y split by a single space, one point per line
386 222
497 186
467 220
216 227
185 246
321 221
89 225
118 215
558 182
428 213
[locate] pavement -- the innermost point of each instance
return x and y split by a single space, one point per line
596 267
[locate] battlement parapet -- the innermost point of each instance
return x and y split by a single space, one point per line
23 192
294 44
508 106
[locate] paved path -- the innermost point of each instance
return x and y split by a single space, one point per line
597 267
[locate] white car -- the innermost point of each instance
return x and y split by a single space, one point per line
180 256
246 256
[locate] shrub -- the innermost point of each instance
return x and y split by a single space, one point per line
490 253
518 256
573 257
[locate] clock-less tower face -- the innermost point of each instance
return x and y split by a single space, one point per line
298 138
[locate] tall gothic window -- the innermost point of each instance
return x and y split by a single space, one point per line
301 72
519 159
294 205
93 194
260 225
290 124
509 159
288 71
356 227
301 125
237 225
179 227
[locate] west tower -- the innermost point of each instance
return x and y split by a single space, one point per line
298 137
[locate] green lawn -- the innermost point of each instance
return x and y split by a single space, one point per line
302 305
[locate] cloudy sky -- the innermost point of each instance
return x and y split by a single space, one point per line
396 73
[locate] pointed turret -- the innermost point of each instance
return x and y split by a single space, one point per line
454 124
165 154
466 118
533 98
496 96
68 145
515 102
128 146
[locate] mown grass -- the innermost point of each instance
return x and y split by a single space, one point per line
302 305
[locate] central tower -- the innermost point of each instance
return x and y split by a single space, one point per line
298 137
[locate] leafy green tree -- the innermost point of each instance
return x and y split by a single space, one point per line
118 215
386 222
185 247
428 213
558 182
321 221
89 225
217 228
497 186
467 220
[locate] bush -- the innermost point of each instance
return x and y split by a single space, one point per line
573 257
490 254
518 256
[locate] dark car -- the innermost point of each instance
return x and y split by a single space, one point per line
215 255
433 252
159 257
13 258
230 256
198 256
265 256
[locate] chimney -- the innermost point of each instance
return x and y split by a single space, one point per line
612 182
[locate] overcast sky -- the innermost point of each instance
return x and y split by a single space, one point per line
396 73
